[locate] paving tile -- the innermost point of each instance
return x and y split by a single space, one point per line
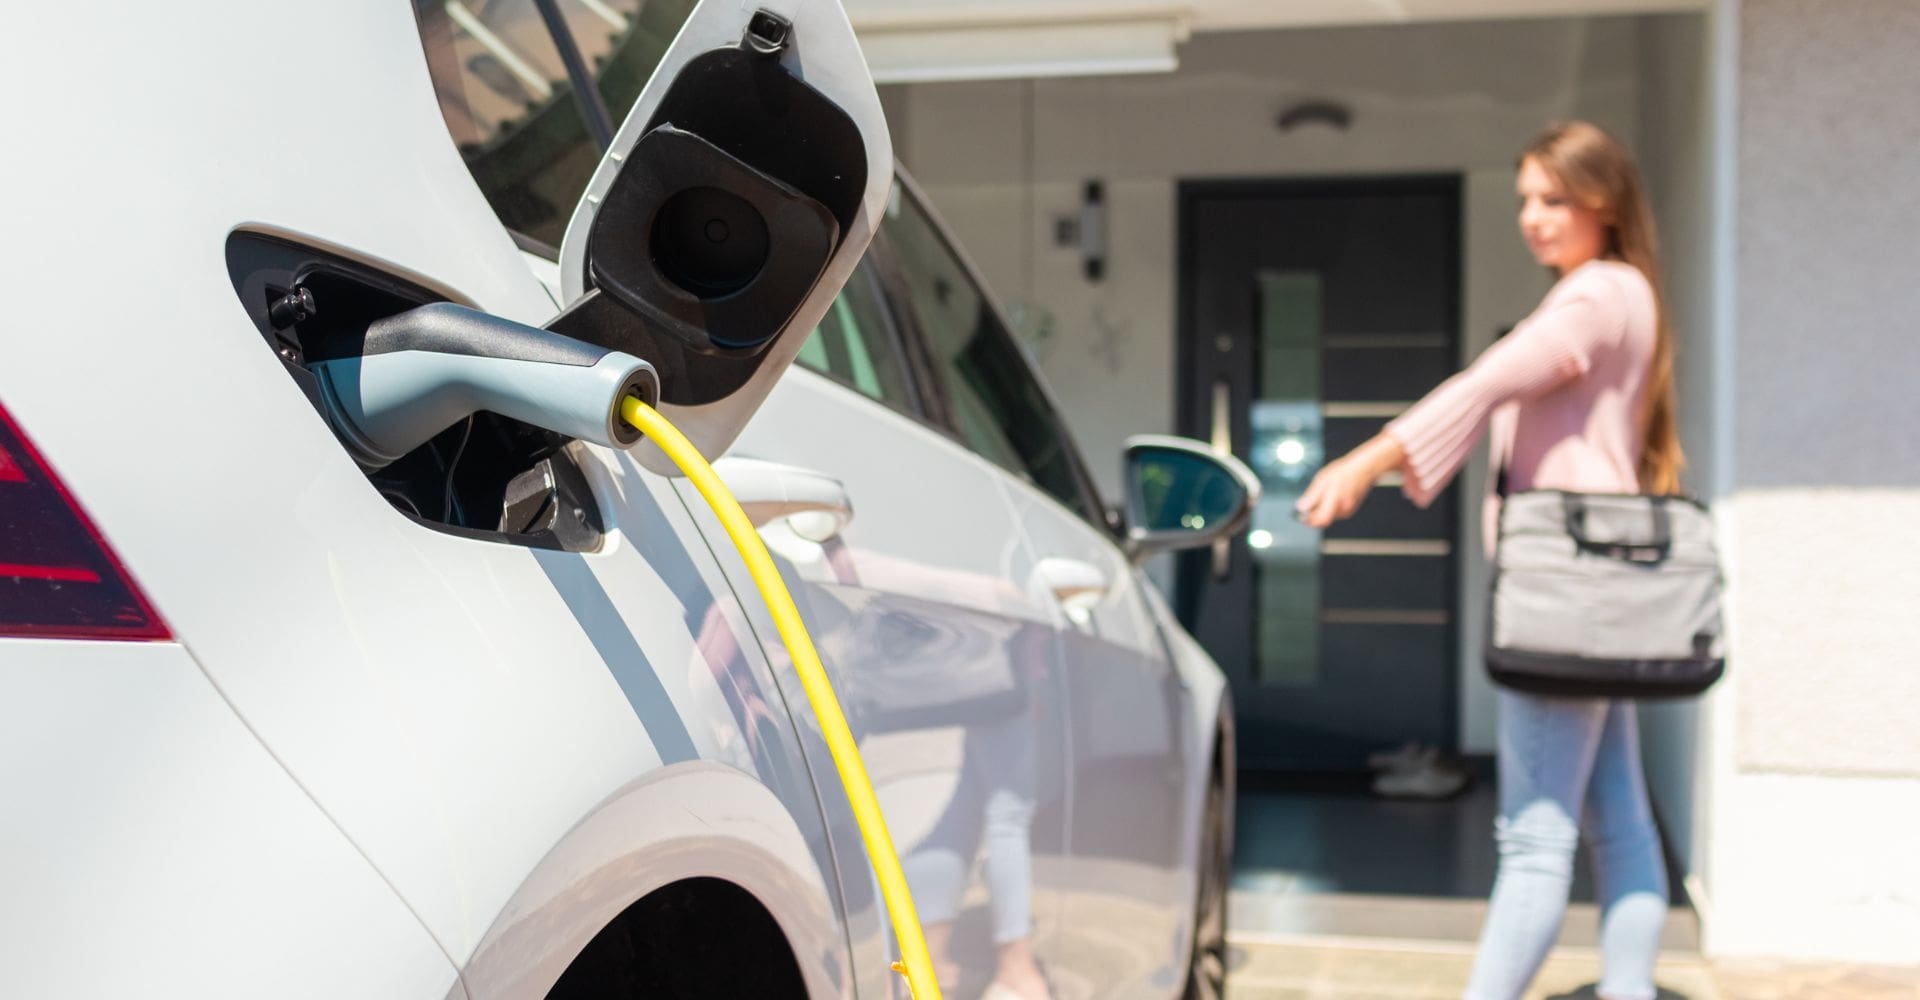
1761 979
1350 969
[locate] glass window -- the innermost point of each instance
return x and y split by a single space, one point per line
998 406
855 345
504 93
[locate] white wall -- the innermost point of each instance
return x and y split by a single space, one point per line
1001 159
1809 827
1814 775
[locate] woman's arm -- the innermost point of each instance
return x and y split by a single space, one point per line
1430 442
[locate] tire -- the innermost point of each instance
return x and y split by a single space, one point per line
1207 969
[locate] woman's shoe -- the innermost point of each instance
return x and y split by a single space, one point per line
1406 755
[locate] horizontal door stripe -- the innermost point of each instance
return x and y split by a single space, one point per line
1385 547
1367 409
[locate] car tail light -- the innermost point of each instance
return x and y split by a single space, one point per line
58 578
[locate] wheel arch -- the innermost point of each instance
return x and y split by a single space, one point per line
700 937
688 821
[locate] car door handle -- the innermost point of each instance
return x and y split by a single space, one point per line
1078 586
814 504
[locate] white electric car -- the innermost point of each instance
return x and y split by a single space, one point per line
289 710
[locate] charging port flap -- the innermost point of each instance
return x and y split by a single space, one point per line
735 201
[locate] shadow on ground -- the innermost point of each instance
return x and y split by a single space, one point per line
1590 992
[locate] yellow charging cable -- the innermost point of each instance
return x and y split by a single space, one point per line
918 964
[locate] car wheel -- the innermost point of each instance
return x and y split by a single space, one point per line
1207 974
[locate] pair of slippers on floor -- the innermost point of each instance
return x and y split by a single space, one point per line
1417 771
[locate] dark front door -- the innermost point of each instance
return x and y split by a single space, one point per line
1312 312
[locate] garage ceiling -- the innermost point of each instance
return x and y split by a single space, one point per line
928 40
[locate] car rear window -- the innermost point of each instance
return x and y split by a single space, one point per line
504 93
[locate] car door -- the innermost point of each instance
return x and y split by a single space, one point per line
1128 893
911 574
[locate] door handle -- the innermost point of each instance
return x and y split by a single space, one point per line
1078 586
1221 438
1221 441
815 505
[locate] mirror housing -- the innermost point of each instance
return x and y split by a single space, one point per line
1180 494
731 207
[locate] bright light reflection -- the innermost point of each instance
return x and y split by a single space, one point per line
1260 538
1291 451
1194 522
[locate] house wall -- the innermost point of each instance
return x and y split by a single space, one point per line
1815 759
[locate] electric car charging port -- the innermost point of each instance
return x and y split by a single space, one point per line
486 476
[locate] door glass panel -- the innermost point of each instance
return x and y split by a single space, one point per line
855 345
1287 449
998 407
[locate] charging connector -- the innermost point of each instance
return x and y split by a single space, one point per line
426 369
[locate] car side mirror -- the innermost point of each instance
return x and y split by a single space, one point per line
731 207
1180 494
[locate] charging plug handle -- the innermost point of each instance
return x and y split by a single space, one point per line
423 370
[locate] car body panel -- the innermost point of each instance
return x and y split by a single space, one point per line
1209 745
152 847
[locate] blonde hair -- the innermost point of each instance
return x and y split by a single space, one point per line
1599 173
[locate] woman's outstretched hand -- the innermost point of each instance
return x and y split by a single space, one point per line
1342 485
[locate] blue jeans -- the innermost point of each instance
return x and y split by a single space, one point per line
1568 764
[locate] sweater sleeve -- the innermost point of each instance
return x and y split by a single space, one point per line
1553 347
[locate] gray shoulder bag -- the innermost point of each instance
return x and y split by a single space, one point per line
1605 595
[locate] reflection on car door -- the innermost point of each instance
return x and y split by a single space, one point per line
1127 901
919 606
1129 769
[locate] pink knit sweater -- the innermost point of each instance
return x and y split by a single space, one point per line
1560 394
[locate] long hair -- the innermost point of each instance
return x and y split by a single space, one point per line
1599 173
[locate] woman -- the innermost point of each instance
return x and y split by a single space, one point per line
1578 397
